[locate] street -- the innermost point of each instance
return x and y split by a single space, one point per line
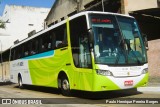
54 98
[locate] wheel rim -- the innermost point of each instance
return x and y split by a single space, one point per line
65 84
20 82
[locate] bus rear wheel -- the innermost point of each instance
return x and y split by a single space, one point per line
20 83
65 86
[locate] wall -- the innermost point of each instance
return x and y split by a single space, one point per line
4 69
62 8
20 20
133 5
154 59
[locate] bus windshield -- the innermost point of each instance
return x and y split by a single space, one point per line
117 40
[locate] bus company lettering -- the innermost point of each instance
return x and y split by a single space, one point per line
18 64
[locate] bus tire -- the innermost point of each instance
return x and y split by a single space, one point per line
20 83
65 86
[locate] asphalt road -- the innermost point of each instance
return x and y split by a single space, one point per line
53 97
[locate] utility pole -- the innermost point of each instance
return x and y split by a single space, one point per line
79 3
123 6
158 3
103 5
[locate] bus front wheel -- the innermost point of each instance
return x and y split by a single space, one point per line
65 86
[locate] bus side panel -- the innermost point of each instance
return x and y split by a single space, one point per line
86 80
44 71
143 82
103 83
13 73
20 67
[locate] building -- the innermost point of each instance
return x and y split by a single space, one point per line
19 21
63 8
131 5
147 13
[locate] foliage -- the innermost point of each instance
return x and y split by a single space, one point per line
2 24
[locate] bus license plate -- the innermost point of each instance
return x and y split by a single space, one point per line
128 83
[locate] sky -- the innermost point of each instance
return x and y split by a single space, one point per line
32 3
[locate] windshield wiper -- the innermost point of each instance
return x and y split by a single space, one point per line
130 49
120 52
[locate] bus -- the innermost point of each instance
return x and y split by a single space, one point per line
89 51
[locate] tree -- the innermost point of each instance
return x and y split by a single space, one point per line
2 24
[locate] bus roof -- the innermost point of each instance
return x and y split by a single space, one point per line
62 22
98 12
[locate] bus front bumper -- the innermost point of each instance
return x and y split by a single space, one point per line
108 83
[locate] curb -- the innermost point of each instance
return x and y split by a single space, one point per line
148 89
5 83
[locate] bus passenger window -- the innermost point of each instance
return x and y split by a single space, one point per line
26 53
33 52
60 36
34 48
27 49
53 43
43 47
49 41
46 42
14 54
49 45
58 43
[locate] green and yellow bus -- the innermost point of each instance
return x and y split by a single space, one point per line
90 51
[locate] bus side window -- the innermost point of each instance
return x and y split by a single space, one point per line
53 43
17 53
22 51
26 53
58 43
40 44
13 54
46 42
61 36
27 49
49 41
43 45
34 46
49 45
79 43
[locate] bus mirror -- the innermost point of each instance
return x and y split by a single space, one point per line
91 39
145 40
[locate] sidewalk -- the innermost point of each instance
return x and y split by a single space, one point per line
151 87
155 84
148 89
6 79
5 83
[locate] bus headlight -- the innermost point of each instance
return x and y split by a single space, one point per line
104 72
144 71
